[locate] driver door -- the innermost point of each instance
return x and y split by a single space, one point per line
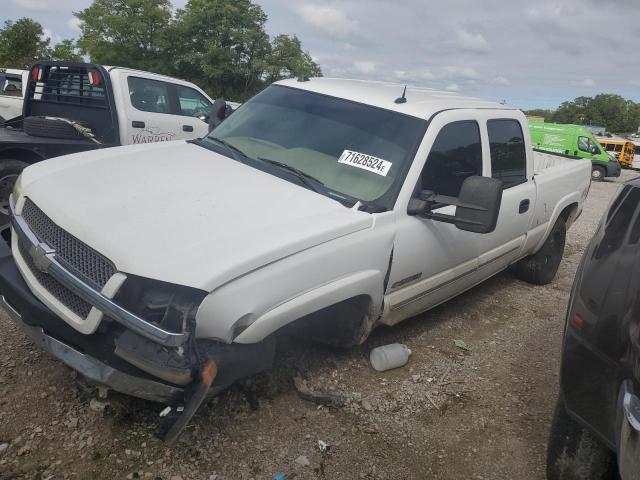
194 112
434 261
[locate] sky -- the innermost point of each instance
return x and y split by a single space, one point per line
529 53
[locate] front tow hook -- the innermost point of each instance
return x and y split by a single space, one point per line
175 424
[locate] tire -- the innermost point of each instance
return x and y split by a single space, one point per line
598 174
574 452
51 128
9 171
541 267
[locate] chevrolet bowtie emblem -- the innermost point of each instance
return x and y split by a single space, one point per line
40 259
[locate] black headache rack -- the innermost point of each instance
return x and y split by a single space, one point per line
80 92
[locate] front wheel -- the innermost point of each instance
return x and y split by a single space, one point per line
541 267
9 172
574 453
598 174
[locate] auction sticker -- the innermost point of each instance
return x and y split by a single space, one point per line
366 162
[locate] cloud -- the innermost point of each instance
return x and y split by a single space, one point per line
365 67
452 87
465 73
473 42
74 24
500 80
48 34
329 20
587 82
413 75
33 4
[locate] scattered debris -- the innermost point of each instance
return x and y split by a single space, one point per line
323 446
96 405
389 356
326 399
462 345
303 461
366 404
3 447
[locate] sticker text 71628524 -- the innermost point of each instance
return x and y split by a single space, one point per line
366 162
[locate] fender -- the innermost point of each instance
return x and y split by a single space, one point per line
572 198
368 283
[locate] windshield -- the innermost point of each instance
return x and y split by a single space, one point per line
348 149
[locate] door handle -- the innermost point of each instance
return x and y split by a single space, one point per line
524 206
187 128
137 124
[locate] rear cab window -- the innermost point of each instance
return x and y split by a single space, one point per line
10 85
508 154
149 95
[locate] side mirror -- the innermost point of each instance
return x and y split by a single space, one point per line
477 205
217 114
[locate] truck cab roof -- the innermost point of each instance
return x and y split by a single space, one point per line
421 102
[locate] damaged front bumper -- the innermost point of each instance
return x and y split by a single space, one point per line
99 357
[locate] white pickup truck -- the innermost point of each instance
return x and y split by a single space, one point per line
322 207
76 107
12 82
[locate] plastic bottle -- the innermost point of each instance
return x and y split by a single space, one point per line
389 356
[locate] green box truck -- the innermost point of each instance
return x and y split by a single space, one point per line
574 141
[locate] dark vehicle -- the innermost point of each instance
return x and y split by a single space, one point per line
75 107
596 425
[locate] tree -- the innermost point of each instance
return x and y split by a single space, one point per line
22 43
612 111
65 50
220 45
539 112
287 59
125 32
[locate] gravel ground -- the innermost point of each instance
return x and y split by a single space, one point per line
449 414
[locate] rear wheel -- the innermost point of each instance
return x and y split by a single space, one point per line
598 174
541 267
574 453
9 172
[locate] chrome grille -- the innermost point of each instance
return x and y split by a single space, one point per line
69 299
75 255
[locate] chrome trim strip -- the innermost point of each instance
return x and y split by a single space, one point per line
421 295
105 305
94 369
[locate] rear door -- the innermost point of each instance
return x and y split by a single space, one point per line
508 162
150 113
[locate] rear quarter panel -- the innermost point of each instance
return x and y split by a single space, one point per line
559 186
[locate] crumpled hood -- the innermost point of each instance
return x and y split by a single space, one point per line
183 214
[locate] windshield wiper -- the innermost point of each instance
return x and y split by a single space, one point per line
235 151
309 180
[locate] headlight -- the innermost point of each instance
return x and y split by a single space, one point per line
17 189
172 307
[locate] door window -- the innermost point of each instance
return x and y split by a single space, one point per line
508 155
192 102
149 95
456 154
11 86
587 145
